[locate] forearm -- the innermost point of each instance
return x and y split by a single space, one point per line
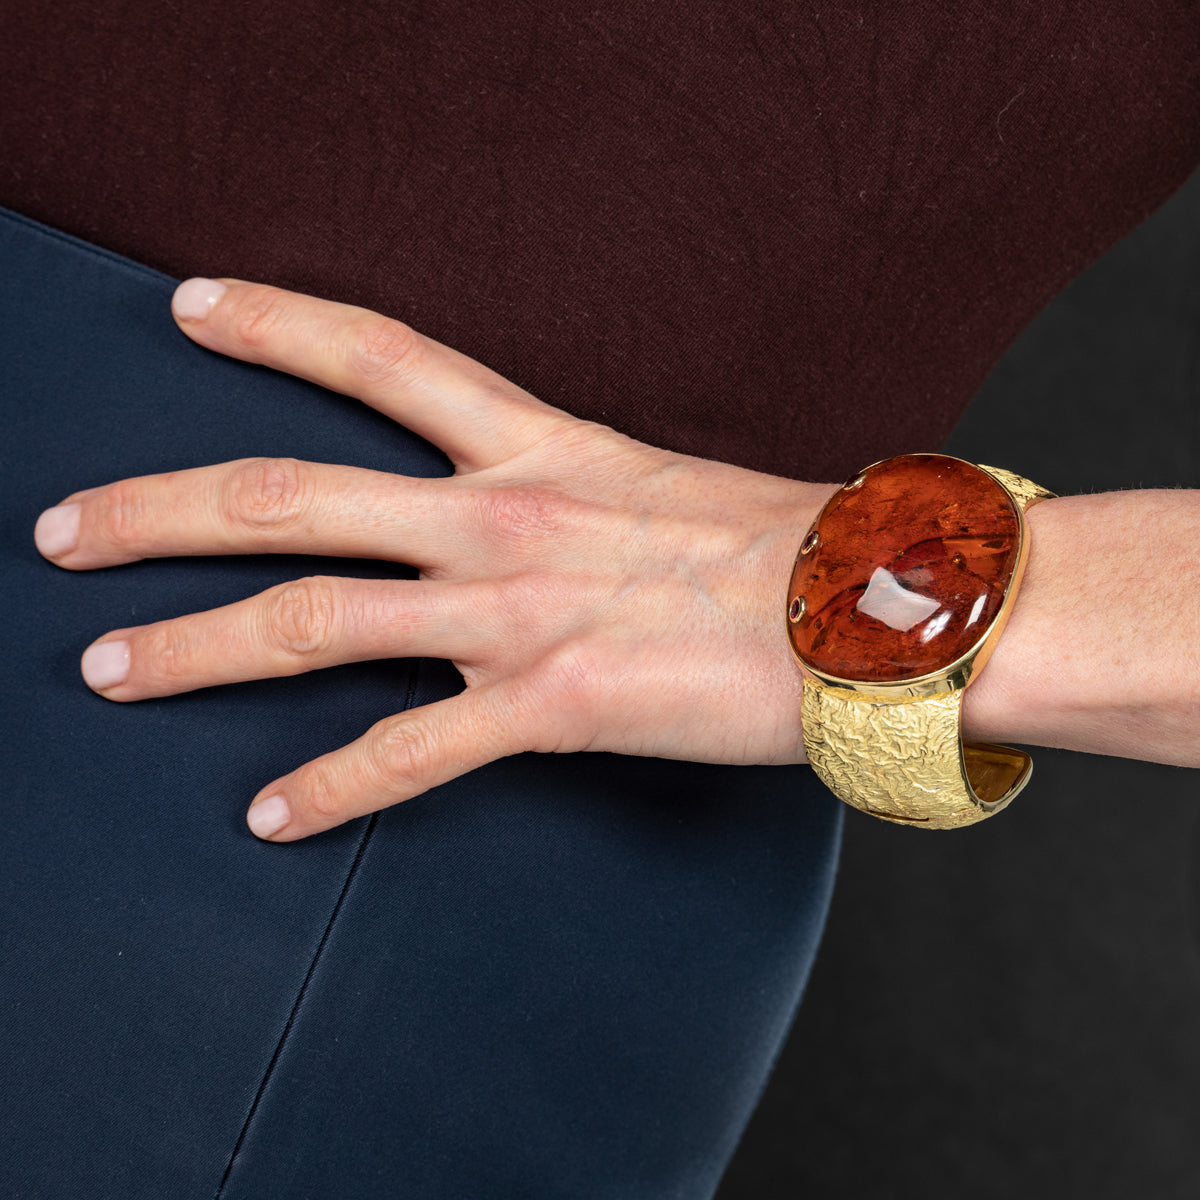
1102 653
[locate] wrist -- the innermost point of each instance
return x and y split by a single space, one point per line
1101 652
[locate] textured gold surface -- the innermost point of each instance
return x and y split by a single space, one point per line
902 759
899 760
1024 492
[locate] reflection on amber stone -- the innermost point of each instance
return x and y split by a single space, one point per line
910 568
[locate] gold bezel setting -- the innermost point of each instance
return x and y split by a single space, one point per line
960 672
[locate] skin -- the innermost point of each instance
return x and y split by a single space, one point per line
596 593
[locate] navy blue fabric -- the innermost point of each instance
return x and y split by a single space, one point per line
557 976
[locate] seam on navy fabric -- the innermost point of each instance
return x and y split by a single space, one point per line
108 256
312 966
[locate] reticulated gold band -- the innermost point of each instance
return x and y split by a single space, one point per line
902 760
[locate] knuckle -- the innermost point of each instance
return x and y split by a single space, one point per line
573 672
561 695
402 755
321 796
266 493
260 314
385 351
124 516
303 618
162 656
523 512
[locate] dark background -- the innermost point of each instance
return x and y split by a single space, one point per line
1014 1009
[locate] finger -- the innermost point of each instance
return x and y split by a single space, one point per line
295 627
272 505
396 759
474 415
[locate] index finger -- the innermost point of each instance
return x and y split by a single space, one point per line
474 415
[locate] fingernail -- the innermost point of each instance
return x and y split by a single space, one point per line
194 299
105 664
57 530
268 816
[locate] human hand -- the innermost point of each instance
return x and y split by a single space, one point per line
596 593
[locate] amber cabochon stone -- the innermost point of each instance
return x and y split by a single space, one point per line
908 569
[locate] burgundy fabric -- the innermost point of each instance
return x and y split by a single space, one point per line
791 236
